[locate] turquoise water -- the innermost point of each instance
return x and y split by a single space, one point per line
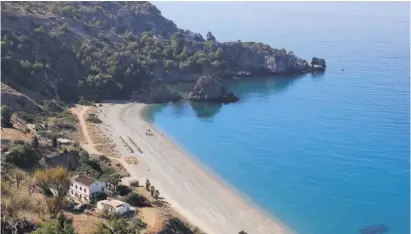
325 154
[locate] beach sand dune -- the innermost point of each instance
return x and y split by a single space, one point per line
194 192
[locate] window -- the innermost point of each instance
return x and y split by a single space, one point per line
102 189
76 186
71 191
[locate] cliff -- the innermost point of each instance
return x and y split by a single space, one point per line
108 50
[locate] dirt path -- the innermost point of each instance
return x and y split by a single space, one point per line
80 112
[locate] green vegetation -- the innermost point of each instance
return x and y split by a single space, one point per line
5 116
137 200
175 225
117 225
93 118
60 225
55 184
95 169
123 190
23 156
112 61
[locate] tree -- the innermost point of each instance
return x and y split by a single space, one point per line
5 116
148 185
152 190
34 142
56 180
123 190
22 156
54 141
157 194
136 199
242 232
111 179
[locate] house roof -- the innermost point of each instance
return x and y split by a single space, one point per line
113 203
82 179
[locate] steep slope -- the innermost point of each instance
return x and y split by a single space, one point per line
106 50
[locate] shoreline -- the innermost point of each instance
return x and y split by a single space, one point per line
200 195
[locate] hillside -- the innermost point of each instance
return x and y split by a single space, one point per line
106 50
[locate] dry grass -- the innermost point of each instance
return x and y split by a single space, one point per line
83 223
11 134
113 164
131 160
154 217
108 149
19 199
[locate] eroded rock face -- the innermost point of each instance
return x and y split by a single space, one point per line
209 89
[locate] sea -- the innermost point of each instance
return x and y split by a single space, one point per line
324 153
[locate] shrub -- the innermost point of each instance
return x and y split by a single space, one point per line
175 225
25 64
123 190
60 225
137 200
22 156
93 118
5 116
29 118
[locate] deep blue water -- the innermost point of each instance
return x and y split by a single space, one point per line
325 154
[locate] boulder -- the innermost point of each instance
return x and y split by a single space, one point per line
209 89
318 64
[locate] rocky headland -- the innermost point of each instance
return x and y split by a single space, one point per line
73 51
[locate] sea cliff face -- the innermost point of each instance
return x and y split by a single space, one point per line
107 50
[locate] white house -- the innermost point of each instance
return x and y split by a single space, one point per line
84 188
116 206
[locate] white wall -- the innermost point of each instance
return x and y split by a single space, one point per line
96 187
84 191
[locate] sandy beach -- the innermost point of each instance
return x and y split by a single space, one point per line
194 192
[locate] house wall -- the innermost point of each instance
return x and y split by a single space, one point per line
119 210
85 193
122 209
79 191
98 186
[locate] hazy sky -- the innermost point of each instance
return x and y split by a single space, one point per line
222 17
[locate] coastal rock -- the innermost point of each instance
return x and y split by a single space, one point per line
209 89
318 64
261 59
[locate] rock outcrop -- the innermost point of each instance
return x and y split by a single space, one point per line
318 64
209 89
